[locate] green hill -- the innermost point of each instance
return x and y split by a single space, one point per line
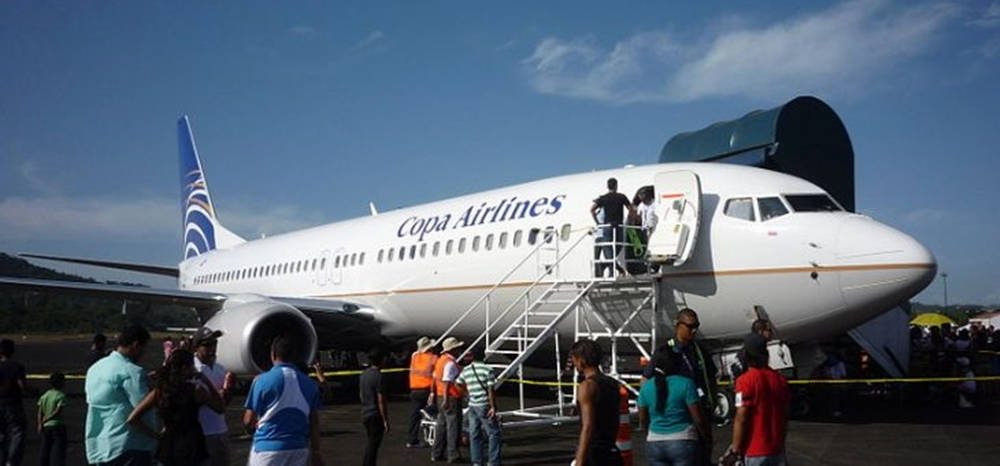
24 312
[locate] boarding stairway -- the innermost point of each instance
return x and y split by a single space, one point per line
559 305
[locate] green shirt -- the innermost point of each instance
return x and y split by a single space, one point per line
49 403
115 385
477 377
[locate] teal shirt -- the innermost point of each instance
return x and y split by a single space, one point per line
681 393
115 385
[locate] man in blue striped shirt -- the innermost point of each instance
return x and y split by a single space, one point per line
478 380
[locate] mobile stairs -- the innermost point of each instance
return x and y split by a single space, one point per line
559 306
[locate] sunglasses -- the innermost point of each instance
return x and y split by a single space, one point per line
693 326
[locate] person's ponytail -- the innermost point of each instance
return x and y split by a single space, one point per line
661 391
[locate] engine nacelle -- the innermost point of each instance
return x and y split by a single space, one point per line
250 323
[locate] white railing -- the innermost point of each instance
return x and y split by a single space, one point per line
550 237
611 245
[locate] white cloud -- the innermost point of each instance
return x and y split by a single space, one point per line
60 218
818 52
373 37
302 30
32 175
990 17
579 68
506 45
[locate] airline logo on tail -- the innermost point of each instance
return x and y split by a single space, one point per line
202 230
196 203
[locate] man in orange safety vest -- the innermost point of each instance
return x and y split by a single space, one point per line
421 382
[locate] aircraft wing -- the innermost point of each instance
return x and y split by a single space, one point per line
144 268
335 321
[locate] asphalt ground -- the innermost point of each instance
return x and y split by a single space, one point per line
882 427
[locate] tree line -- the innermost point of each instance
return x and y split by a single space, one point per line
30 311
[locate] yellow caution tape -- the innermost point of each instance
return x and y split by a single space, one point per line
328 374
544 383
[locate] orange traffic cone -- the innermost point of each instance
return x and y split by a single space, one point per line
624 438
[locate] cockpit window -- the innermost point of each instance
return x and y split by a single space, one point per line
812 203
741 207
770 207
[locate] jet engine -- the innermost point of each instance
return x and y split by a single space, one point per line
250 323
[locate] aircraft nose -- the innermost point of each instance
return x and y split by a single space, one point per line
880 266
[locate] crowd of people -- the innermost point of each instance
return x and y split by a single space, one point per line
946 351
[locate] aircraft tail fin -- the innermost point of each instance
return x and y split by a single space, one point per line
202 230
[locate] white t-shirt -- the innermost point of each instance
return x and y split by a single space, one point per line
451 372
212 423
647 212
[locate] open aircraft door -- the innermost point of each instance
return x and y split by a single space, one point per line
678 207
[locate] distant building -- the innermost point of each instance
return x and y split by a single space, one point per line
987 319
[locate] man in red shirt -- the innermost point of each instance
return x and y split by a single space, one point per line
762 397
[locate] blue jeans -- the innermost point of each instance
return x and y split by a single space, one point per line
480 425
672 452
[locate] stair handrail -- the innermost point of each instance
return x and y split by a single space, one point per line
490 325
537 341
535 249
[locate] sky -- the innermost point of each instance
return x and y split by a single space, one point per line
303 114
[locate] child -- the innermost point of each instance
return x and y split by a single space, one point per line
50 423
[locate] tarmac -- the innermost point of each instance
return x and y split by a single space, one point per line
881 429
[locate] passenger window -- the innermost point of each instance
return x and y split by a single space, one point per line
770 207
402 253
461 245
475 243
322 264
423 250
741 208
550 234
336 262
566 230
313 265
532 236
502 240
489 241
413 251
391 253
436 248
354 258
381 253
447 246
517 239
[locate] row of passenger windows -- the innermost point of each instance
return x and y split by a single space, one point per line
486 243
447 248
288 268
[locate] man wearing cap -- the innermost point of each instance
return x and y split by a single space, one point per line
761 420
448 429
213 424
421 381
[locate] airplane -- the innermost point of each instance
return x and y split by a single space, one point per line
730 239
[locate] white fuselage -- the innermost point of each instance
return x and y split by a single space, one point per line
815 273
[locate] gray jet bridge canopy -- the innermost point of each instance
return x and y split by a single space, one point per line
803 137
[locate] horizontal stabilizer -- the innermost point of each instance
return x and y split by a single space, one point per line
145 268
